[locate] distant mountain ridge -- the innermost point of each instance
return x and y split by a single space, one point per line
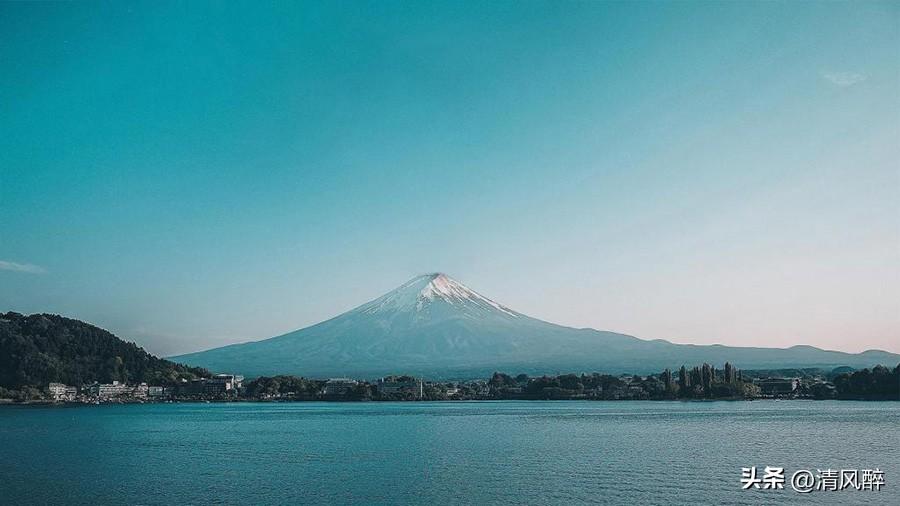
435 326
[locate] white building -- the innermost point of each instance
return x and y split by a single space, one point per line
156 392
141 391
108 390
62 392
223 383
394 385
339 386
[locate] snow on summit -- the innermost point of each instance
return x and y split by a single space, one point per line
434 325
422 291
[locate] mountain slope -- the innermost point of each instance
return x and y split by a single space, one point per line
433 325
42 348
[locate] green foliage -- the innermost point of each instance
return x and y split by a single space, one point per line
283 386
39 349
879 383
25 394
499 380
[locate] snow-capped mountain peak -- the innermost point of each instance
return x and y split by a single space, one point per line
435 325
421 292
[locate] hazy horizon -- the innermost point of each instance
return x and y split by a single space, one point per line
194 175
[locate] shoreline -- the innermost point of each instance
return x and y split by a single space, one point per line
67 404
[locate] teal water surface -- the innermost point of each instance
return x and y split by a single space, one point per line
626 452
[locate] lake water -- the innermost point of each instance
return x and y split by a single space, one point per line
440 453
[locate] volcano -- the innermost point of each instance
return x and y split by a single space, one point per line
435 326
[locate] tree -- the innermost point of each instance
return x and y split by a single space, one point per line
879 383
42 348
500 379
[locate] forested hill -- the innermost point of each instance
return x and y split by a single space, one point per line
42 348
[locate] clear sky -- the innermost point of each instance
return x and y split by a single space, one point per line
194 174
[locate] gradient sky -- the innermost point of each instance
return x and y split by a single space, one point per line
194 174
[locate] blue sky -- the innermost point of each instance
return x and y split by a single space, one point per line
195 174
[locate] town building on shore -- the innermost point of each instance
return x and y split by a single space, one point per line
778 386
62 392
223 384
140 391
400 385
217 386
220 384
117 389
339 386
158 392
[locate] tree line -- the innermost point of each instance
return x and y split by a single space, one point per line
43 348
876 384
